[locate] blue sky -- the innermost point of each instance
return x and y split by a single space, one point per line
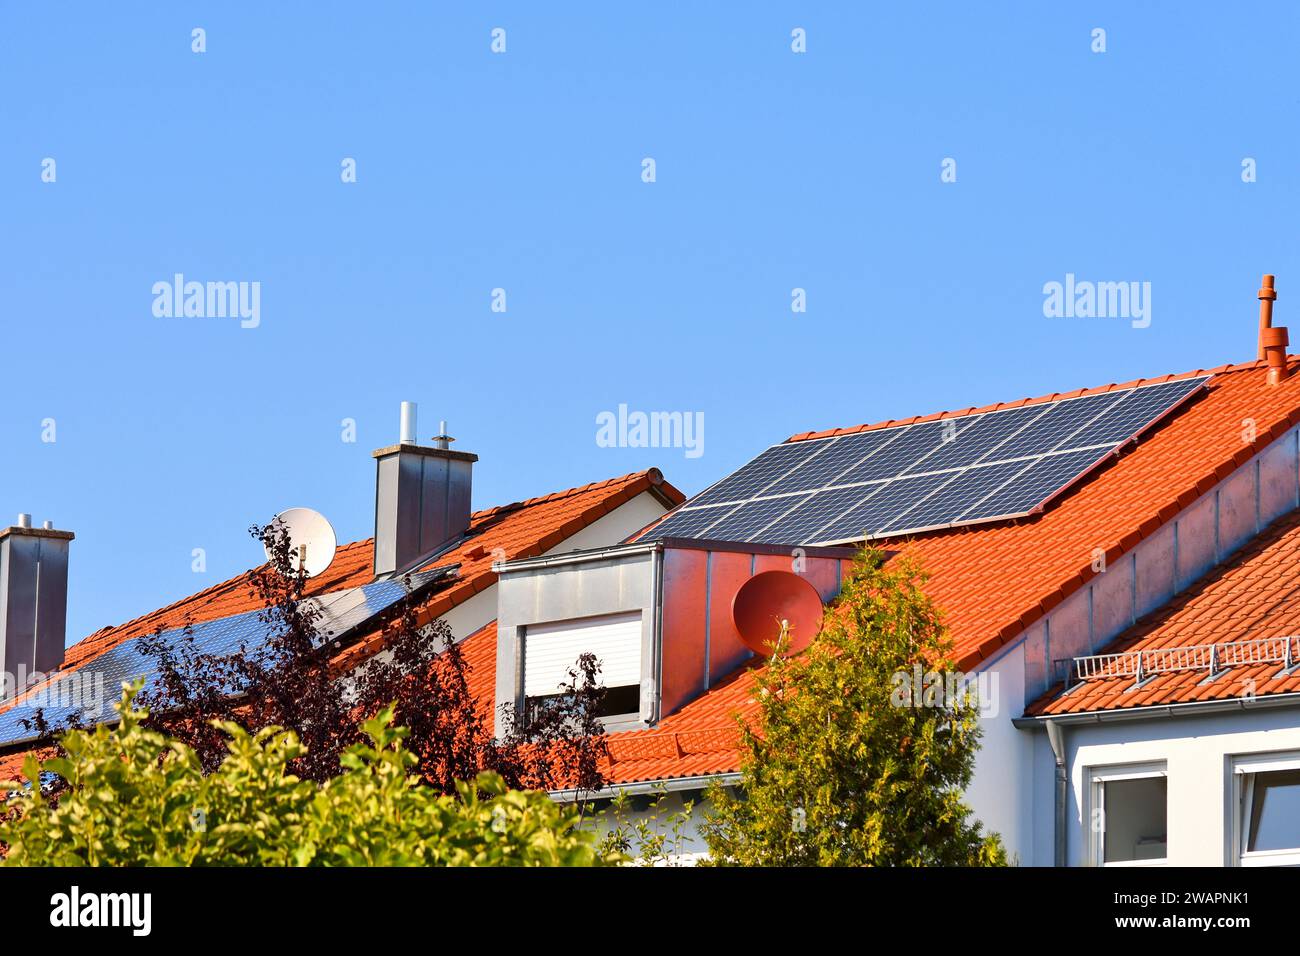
523 171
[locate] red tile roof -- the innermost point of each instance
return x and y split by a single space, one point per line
1254 595
991 580
994 580
700 738
520 530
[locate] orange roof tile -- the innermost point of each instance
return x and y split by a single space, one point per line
991 580
519 530
700 738
994 580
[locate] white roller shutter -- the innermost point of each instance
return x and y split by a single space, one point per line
551 649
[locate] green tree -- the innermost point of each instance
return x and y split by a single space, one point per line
841 769
133 796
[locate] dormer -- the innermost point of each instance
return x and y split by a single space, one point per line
657 614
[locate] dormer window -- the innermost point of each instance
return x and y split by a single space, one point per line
552 649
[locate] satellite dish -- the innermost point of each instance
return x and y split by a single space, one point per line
769 598
311 539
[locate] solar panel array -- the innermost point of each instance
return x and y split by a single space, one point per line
920 477
90 692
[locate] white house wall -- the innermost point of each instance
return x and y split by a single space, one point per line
665 817
1198 754
1001 791
1042 768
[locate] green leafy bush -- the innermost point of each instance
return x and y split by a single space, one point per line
135 797
659 835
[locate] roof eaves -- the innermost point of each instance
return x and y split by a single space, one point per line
662 784
1196 708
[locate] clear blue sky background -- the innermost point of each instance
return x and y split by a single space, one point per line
523 171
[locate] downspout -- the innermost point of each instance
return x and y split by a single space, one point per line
1056 737
656 636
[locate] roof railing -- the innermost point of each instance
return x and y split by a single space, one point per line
1214 659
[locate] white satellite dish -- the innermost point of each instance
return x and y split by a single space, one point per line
311 539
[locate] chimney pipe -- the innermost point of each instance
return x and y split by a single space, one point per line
1273 339
1275 343
422 498
408 431
1266 299
33 601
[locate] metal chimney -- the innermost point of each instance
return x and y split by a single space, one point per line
33 599
422 497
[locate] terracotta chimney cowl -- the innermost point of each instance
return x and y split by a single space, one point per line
1273 340
1267 296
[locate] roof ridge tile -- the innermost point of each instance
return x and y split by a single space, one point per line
1032 400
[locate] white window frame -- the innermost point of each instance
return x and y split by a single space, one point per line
1097 778
1244 769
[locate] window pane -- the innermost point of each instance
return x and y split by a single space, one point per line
1275 814
621 700
1135 819
617 702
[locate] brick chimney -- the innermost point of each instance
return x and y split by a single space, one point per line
33 600
422 497
1273 340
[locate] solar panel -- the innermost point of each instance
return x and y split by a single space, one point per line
982 439
1034 485
689 523
926 475
12 721
817 511
1127 417
1061 421
870 516
745 523
751 479
840 455
956 497
917 440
